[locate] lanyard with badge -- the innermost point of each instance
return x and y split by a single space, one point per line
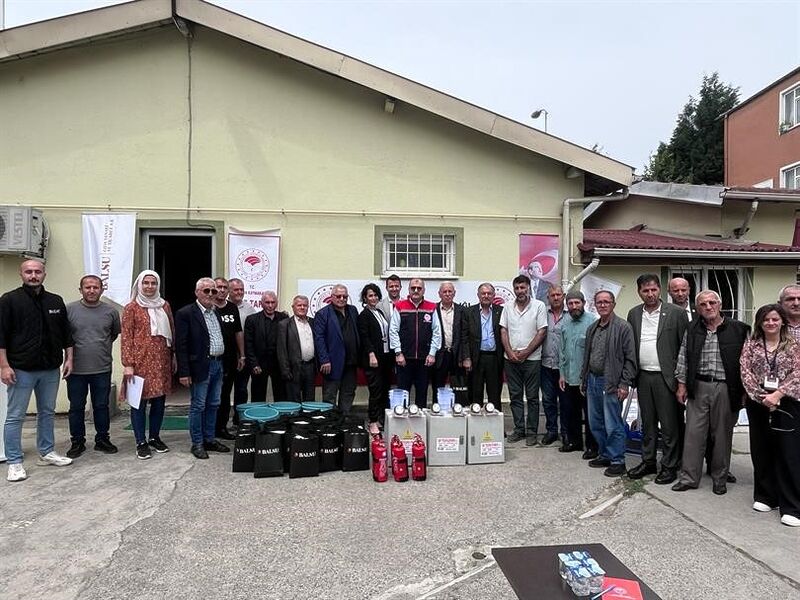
770 379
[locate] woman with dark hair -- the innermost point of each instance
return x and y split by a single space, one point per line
770 364
376 358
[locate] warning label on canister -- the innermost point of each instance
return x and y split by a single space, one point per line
492 449
447 444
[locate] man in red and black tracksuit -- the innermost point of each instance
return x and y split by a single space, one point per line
415 336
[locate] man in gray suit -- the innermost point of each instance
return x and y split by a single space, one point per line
658 329
296 352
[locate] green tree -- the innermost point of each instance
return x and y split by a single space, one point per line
695 151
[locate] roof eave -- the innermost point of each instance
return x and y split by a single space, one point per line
759 255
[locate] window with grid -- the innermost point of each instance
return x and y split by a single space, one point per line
790 108
419 254
790 177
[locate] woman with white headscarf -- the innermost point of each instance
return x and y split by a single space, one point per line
148 351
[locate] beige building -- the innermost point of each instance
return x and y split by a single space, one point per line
201 120
737 241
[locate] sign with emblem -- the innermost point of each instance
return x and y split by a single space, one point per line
254 257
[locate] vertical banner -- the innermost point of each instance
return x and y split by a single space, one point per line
591 284
254 257
538 259
108 246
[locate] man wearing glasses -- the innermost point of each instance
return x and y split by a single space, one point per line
609 368
415 337
710 385
261 349
199 350
336 342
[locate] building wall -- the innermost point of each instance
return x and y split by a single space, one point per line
108 127
657 214
755 150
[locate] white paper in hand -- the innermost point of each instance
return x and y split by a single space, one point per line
133 391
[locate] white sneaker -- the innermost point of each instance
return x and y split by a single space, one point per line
761 507
55 459
16 473
790 521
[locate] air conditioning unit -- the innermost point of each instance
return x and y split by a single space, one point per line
23 231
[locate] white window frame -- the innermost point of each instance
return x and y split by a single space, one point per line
789 121
449 270
701 274
784 172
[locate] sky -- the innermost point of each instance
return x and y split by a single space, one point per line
611 75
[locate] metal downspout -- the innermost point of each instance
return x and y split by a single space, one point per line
588 269
739 232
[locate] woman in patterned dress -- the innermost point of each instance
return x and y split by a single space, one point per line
770 363
148 351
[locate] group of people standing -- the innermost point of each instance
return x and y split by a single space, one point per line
694 368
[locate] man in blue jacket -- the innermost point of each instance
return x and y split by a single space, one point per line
199 349
336 342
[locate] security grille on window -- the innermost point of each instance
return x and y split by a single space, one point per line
790 107
419 253
791 177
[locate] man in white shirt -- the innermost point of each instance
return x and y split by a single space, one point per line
296 352
523 328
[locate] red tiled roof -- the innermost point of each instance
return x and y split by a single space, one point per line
637 238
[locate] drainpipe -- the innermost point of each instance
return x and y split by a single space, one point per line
566 238
588 269
740 231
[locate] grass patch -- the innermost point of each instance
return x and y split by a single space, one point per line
632 486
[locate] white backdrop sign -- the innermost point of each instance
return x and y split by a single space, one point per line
108 246
254 257
591 284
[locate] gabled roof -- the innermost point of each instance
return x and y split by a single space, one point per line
639 243
760 92
603 174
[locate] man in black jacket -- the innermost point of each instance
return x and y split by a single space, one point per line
448 366
233 359
261 349
34 337
710 385
296 352
481 347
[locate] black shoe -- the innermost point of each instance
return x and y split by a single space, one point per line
599 463
666 476
589 454
731 478
199 452
641 470
224 434
76 449
615 470
105 446
514 437
568 448
548 439
720 488
681 487
530 441
215 446
158 445
143 451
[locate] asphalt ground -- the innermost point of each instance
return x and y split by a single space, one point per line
174 527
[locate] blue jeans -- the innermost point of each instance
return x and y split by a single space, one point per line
78 386
555 403
139 418
605 420
523 378
204 405
45 385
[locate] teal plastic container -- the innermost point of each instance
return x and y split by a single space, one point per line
240 408
320 406
287 408
262 414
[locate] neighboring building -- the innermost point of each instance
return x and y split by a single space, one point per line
737 241
200 120
762 137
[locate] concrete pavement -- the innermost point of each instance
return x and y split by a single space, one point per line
174 527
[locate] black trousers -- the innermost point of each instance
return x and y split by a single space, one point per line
788 457
344 388
258 387
448 371
301 389
378 381
763 453
658 406
487 373
578 432
414 374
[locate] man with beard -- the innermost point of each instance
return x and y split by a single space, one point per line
393 288
236 295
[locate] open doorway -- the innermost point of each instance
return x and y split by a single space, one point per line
180 257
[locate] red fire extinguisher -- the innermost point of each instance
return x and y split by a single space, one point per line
380 467
399 460
419 470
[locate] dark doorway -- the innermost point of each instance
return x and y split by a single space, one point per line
180 260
